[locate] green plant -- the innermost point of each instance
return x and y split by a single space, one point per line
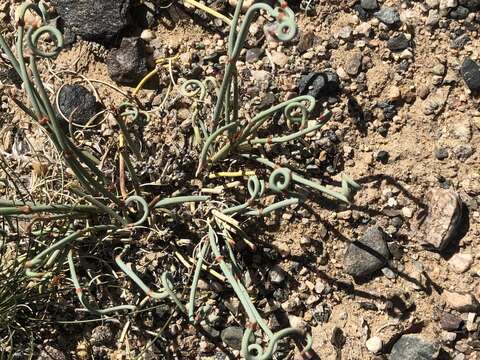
100 208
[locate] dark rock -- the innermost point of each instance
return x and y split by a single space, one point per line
369 4
311 84
460 42
362 14
78 104
441 153
388 15
195 72
414 347
382 130
338 339
382 156
389 110
253 55
94 20
368 306
232 336
332 81
398 42
444 183
318 84
450 322
470 71
366 255
459 13
128 64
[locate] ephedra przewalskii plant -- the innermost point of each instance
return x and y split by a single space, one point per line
224 136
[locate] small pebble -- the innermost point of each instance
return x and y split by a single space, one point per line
462 302
382 156
441 153
374 344
460 263
450 322
147 35
388 15
398 42
276 274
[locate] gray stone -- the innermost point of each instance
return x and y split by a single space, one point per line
460 42
232 336
78 104
433 18
388 15
253 55
463 152
345 33
471 4
389 273
128 64
398 42
470 71
267 101
441 153
366 255
414 347
94 20
369 4
459 13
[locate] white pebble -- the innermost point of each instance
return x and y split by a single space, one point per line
374 344
147 35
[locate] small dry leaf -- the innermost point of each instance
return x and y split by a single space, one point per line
39 168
